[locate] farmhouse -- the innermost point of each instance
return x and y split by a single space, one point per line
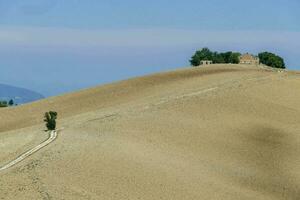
249 59
206 62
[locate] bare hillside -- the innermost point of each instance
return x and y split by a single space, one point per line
216 132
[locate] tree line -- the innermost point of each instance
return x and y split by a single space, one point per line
266 58
6 103
215 57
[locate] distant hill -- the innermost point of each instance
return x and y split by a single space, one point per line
19 95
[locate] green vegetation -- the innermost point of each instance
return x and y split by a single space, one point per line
50 119
229 57
206 54
11 102
267 58
3 104
271 60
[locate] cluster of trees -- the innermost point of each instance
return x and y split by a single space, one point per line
266 58
6 104
215 57
271 60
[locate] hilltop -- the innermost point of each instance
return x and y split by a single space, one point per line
213 132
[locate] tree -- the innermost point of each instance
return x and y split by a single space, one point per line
231 57
218 58
50 119
271 60
226 56
11 102
234 58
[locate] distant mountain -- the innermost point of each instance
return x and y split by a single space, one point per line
19 95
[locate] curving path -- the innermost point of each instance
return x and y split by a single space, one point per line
52 137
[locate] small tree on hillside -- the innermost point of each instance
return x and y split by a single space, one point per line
50 119
11 102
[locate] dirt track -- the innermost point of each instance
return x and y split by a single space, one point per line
52 137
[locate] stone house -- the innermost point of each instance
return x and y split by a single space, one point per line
249 59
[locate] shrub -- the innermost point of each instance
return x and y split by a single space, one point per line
50 119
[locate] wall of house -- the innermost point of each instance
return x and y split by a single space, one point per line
249 62
206 62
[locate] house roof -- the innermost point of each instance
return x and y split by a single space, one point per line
247 56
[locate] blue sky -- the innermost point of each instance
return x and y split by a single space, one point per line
57 46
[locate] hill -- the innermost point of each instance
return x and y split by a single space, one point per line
216 132
19 95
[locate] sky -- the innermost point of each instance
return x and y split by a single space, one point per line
59 46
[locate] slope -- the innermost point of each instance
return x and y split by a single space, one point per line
218 132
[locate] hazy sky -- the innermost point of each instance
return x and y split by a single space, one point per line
56 46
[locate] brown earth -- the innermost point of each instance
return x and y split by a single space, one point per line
215 132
